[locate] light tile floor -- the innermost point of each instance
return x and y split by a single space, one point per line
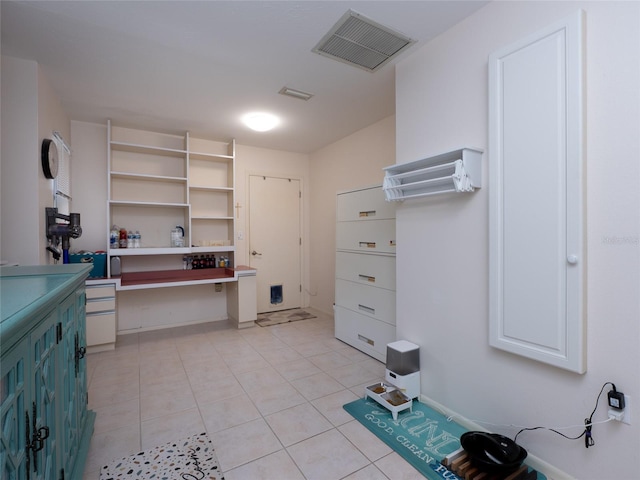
270 399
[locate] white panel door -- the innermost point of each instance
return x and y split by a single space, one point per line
275 241
536 196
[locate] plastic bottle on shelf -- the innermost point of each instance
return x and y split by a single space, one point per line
184 262
114 237
137 239
130 239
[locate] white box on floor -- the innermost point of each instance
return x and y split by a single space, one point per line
407 384
403 367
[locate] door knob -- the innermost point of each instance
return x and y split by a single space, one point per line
254 253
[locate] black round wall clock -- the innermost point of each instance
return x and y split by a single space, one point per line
49 158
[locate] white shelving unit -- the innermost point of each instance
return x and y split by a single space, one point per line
158 181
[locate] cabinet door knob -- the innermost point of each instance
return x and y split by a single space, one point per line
572 259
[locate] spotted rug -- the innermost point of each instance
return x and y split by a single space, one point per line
190 458
283 316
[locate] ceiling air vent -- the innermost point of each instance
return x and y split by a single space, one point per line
361 42
292 92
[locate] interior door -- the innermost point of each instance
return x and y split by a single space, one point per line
275 241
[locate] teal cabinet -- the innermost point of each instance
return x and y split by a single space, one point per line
45 427
13 404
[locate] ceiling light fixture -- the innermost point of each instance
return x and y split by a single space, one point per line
292 92
260 121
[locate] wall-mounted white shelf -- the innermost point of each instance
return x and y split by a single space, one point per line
149 178
146 149
122 252
456 171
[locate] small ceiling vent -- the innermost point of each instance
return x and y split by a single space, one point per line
361 42
292 92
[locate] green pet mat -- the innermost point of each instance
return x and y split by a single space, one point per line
422 437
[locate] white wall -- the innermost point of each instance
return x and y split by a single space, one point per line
51 118
261 161
31 111
352 162
442 258
19 202
89 183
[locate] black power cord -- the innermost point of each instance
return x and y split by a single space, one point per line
588 424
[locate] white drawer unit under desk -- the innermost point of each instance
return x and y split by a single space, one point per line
101 316
365 297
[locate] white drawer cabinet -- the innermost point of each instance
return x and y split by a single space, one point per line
373 270
377 236
378 303
101 305
100 291
367 334
101 316
365 303
365 204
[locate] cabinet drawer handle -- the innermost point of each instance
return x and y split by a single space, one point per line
366 340
40 436
367 213
367 278
364 308
367 244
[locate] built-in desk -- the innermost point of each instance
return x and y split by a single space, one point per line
102 304
175 278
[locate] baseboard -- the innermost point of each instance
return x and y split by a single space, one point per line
551 472
172 325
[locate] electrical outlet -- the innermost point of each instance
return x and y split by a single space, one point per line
624 415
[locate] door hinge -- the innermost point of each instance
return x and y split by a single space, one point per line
299 194
300 240
300 288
